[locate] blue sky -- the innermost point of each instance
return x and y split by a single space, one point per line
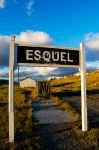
58 22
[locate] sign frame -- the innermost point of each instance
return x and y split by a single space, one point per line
13 64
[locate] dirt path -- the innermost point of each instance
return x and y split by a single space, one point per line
56 129
53 124
47 113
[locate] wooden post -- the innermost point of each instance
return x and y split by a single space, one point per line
11 82
83 88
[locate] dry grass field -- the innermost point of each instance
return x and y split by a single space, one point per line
66 93
25 125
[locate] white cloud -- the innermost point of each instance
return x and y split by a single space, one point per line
35 71
92 46
35 37
28 36
44 70
4 50
29 7
92 41
38 73
2 3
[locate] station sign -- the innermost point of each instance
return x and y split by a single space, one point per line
47 56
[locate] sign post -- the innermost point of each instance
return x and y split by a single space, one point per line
11 81
46 56
83 88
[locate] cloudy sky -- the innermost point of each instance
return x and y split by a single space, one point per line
52 22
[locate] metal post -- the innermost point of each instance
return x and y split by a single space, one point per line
11 81
83 88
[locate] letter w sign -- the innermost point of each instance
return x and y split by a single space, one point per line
43 88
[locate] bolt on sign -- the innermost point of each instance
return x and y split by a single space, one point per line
48 56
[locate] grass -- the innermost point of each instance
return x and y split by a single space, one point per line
25 125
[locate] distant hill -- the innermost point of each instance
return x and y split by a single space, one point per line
73 82
3 81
